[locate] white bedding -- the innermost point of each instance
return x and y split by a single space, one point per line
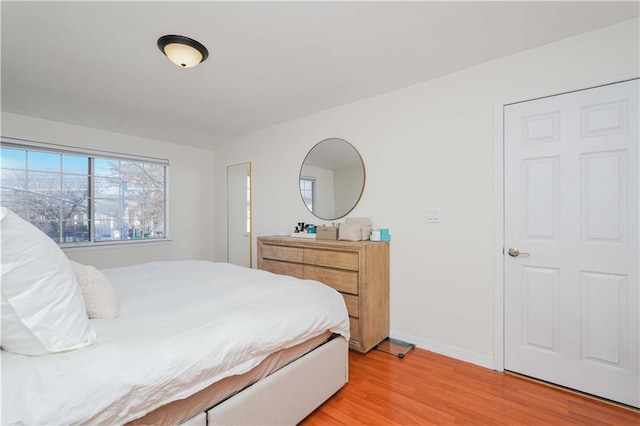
182 326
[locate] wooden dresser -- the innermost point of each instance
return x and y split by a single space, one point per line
359 270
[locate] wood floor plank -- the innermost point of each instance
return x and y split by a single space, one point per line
425 388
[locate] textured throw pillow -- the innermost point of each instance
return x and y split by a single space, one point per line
98 292
42 307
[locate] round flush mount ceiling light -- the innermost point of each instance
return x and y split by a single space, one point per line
183 51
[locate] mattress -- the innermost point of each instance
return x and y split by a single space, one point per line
183 326
179 411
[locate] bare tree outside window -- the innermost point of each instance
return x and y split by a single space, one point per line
82 199
130 200
49 190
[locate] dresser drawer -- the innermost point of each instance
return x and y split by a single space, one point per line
332 259
288 254
283 268
352 305
359 270
343 281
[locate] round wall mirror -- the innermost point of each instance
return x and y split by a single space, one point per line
332 179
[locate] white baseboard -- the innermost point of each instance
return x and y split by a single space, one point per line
446 350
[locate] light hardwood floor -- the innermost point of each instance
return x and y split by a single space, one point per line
429 389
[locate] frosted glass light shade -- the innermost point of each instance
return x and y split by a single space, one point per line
182 51
182 55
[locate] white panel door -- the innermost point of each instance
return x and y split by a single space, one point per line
571 210
239 214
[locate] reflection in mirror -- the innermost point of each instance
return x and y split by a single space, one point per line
332 179
239 214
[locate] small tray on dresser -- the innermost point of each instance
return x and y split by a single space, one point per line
304 235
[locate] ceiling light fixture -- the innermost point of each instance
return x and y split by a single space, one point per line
182 51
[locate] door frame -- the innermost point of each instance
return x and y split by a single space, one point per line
498 193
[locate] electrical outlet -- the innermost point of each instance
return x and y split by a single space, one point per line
433 216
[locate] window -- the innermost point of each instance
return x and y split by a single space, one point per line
308 191
79 197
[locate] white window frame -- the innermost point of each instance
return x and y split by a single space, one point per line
6 142
312 180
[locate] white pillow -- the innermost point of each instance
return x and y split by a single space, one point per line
42 307
99 294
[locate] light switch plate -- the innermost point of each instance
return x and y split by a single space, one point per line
433 216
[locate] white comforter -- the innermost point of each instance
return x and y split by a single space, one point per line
182 326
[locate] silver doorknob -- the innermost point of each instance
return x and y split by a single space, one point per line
514 252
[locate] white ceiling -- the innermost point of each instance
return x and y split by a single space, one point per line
96 64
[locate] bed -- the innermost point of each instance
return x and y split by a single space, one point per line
195 342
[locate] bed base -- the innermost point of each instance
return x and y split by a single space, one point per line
290 394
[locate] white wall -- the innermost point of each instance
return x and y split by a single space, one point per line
191 214
426 146
347 186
